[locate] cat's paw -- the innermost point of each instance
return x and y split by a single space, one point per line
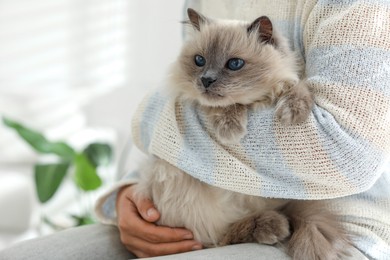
229 123
271 227
295 105
229 131
319 246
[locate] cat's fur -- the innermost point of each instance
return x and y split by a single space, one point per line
269 77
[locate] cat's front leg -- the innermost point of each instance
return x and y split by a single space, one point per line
295 104
269 227
229 122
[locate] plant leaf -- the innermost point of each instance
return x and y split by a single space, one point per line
39 142
85 174
61 149
48 178
98 154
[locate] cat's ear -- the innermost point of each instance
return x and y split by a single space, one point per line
196 19
264 27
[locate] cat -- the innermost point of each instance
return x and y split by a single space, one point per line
227 68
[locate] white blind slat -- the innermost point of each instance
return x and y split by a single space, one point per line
54 57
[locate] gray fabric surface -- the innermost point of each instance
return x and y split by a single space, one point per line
82 243
233 252
102 242
245 252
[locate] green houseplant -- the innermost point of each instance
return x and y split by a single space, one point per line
82 164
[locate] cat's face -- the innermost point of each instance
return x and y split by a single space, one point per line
227 62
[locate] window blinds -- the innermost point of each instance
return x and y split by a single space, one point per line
55 56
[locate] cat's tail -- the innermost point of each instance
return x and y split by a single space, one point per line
317 234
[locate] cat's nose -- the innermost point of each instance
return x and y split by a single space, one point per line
207 81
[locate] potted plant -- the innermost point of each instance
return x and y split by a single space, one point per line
82 165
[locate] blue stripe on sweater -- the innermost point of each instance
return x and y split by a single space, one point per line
197 157
351 2
362 66
292 30
273 171
347 150
372 246
150 117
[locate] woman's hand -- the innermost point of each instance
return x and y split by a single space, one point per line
141 236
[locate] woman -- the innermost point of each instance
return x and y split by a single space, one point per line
339 154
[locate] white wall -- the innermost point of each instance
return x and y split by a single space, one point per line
156 36
158 30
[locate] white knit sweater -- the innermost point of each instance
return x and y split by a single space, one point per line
339 153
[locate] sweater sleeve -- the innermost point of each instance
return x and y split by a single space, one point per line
105 207
340 150
347 140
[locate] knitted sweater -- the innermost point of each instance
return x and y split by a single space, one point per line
340 153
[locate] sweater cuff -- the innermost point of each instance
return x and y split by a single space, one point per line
105 208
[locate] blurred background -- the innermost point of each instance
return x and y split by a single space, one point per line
74 70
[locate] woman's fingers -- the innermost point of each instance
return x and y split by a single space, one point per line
145 207
144 238
144 249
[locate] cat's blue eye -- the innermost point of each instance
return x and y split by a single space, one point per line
200 61
235 64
